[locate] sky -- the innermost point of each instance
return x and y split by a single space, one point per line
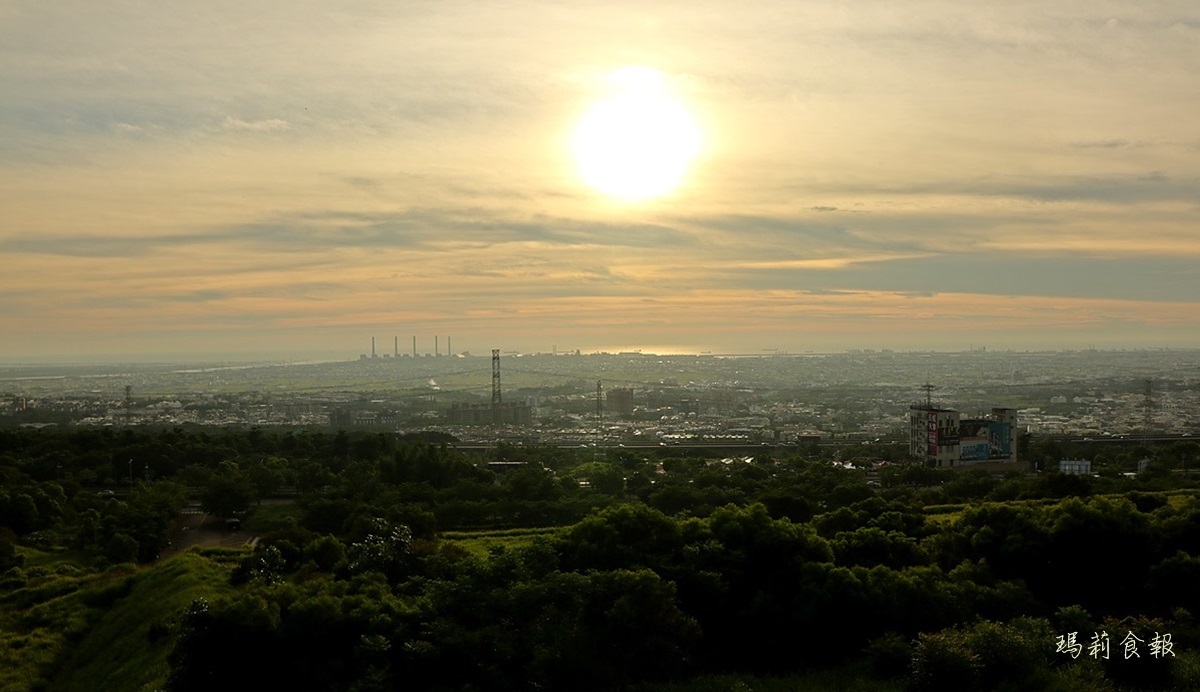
296 177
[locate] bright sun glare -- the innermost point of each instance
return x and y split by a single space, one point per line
637 142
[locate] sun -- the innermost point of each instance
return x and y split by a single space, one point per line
638 141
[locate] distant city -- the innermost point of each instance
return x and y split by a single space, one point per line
636 398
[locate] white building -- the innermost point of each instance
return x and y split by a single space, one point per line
1075 467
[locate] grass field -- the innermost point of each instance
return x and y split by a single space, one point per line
275 516
480 543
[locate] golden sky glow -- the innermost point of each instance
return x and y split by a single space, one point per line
302 176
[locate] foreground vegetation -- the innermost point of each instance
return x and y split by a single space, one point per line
403 563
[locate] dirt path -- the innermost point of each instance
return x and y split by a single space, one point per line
196 528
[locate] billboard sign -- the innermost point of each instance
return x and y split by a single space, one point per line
1000 440
973 449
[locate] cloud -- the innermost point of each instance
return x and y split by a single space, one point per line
371 186
75 246
1156 279
268 125
1104 144
1141 186
194 297
1150 186
828 262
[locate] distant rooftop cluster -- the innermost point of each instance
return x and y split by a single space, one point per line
649 398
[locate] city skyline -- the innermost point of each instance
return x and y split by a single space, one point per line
297 178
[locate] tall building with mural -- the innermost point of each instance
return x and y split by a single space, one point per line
942 438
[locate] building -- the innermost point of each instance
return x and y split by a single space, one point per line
1075 467
363 418
620 401
486 414
942 438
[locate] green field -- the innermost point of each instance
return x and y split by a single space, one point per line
482 543
271 517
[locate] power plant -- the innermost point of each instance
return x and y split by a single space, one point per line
494 413
437 349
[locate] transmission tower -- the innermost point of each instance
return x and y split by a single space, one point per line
1148 406
928 389
599 421
495 385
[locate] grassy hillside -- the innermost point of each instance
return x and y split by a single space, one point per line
67 627
43 609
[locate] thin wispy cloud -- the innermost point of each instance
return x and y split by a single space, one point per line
267 125
825 262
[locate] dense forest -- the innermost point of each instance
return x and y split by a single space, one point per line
622 569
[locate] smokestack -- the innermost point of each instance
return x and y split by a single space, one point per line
435 346
395 346
448 351
414 347
372 347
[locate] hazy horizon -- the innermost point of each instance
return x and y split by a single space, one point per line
299 357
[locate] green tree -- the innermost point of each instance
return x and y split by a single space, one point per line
267 476
146 515
386 549
944 661
531 483
870 546
228 493
326 552
608 479
121 548
636 627
9 557
625 536
19 512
